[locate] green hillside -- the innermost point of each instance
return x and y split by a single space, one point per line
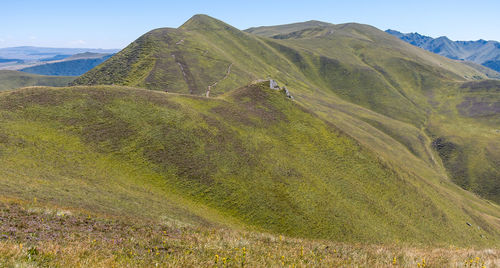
466 131
395 99
252 157
15 79
176 151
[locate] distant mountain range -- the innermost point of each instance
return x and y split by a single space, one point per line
75 65
53 61
486 53
27 53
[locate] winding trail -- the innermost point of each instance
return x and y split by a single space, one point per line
214 84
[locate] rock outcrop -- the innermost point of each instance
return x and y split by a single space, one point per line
274 85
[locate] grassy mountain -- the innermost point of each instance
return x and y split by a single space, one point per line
482 52
14 79
370 164
394 98
441 104
251 157
178 60
200 52
74 65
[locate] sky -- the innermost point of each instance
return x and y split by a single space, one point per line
114 24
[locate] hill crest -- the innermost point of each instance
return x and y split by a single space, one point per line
204 22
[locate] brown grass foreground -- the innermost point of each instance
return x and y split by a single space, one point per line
35 236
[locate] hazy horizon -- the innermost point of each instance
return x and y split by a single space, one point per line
114 24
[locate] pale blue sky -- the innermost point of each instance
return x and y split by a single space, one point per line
114 24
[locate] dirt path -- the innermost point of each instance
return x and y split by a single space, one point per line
214 84
186 73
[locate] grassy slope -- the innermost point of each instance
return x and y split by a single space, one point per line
251 158
433 100
466 127
371 85
14 79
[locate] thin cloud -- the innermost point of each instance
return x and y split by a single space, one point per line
78 42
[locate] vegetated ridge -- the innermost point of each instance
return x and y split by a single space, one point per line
14 79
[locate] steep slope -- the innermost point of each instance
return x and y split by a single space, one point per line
14 79
252 157
482 52
75 65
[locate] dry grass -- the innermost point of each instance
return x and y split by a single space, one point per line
34 236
